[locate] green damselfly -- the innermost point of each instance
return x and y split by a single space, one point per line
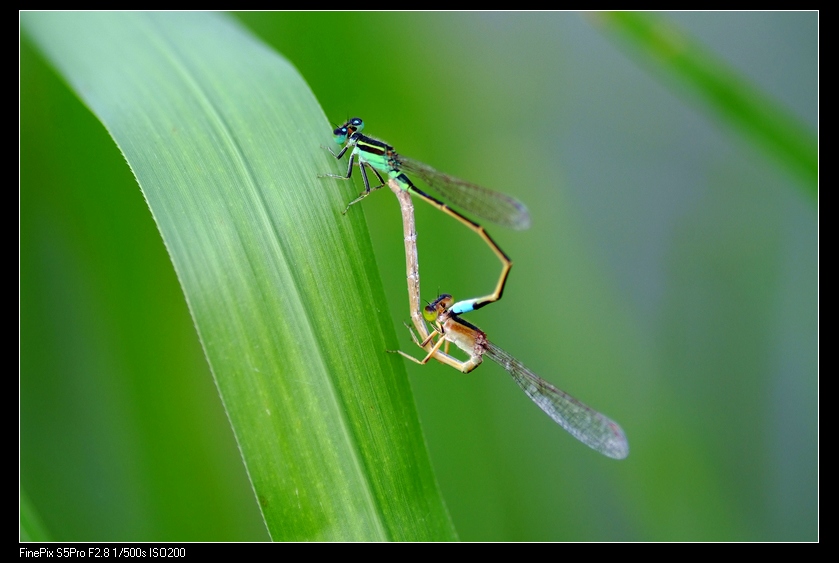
380 157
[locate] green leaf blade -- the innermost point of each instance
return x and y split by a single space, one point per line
223 137
726 94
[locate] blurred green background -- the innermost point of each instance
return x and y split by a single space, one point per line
669 280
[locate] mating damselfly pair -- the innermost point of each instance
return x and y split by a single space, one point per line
584 423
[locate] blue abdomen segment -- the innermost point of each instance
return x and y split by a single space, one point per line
464 306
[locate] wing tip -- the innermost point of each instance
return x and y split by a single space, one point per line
617 447
522 221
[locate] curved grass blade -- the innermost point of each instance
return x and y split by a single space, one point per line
223 137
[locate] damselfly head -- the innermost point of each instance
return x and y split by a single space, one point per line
347 129
429 313
438 307
355 124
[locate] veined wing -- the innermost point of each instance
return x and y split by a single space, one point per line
493 206
581 421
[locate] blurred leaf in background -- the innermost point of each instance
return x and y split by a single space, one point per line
669 280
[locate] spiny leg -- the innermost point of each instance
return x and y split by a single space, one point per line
435 353
349 167
431 353
367 188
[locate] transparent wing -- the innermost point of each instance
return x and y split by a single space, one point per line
499 208
581 421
